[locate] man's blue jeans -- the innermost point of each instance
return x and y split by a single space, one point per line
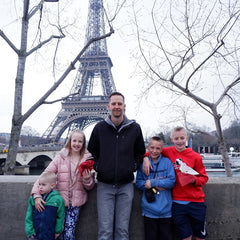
114 203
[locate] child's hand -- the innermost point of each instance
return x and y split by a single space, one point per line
86 175
39 204
57 235
147 184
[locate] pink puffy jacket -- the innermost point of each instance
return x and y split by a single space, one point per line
60 165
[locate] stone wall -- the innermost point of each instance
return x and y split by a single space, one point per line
222 200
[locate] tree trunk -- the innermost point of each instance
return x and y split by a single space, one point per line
222 145
9 167
17 122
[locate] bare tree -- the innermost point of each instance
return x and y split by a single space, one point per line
22 53
192 49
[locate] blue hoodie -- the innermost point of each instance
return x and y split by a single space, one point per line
164 178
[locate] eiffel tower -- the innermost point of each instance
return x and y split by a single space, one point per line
86 105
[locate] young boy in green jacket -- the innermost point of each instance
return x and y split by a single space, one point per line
47 224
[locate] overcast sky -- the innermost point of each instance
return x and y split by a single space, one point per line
38 77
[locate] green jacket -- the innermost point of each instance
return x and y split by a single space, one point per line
45 224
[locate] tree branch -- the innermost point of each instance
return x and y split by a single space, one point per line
202 63
64 75
229 87
9 42
43 43
60 99
35 9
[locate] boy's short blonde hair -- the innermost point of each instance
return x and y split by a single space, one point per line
49 176
178 129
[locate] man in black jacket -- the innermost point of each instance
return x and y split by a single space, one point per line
117 147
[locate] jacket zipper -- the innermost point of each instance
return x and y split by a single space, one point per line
116 158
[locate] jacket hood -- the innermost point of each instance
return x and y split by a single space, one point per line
158 160
126 122
64 154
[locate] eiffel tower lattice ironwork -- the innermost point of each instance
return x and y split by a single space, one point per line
86 107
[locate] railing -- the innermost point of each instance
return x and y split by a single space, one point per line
36 148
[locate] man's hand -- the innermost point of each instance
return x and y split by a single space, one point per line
146 166
39 204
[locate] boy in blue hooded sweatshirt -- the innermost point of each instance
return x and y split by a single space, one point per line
157 213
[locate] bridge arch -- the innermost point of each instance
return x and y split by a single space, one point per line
34 157
38 164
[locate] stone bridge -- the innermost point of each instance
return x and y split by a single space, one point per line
33 158
25 158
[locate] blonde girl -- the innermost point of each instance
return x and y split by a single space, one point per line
70 184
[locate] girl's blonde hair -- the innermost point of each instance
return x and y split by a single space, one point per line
68 143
